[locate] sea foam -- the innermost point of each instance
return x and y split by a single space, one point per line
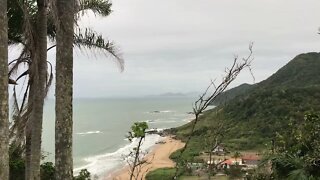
102 165
89 132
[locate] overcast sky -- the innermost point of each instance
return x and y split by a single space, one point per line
179 45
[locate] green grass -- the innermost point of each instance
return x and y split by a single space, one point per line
168 174
161 174
203 178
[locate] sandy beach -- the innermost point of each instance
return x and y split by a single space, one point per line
159 158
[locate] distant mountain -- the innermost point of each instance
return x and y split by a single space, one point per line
171 94
255 113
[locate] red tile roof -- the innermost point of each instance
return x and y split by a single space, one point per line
251 157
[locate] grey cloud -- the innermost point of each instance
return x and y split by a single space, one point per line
179 45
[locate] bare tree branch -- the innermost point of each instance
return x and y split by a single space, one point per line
212 91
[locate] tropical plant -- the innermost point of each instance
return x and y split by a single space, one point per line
296 153
39 80
26 13
47 169
19 14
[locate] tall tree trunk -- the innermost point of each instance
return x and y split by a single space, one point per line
4 116
64 90
28 132
40 76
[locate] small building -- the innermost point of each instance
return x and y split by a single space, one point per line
219 150
232 161
215 161
251 160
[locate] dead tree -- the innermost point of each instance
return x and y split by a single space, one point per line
214 90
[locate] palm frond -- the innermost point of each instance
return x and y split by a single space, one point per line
49 79
21 112
99 7
11 81
92 40
298 174
19 118
14 64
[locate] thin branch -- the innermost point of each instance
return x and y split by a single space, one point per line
210 94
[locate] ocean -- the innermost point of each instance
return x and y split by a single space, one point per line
100 127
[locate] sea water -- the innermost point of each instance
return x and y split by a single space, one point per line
100 127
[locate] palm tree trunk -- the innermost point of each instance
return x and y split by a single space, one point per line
28 132
4 116
64 90
40 75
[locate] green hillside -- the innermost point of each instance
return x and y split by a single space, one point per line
302 71
232 93
253 117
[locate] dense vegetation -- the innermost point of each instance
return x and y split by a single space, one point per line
254 117
231 94
47 169
296 153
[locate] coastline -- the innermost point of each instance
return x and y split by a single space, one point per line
158 157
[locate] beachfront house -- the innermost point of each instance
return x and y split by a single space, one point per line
219 150
232 161
251 161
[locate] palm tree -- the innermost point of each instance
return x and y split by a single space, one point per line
64 76
31 102
64 92
39 70
4 120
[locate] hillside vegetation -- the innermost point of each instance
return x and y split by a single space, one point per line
231 94
253 114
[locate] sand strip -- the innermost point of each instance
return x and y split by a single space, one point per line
159 158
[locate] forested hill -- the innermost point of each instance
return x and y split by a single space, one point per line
255 115
302 71
232 93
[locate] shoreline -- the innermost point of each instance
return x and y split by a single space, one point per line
158 158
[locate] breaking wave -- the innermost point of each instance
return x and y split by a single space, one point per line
102 165
89 132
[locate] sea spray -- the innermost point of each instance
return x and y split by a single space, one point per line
89 132
104 164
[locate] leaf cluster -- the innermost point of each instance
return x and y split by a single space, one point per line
138 130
